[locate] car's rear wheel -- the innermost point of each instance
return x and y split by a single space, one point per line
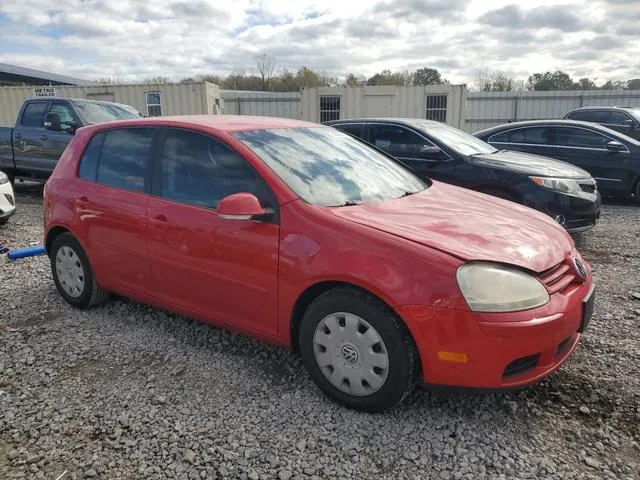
357 350
72 273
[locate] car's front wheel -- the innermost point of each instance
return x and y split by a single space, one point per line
72 273
357 350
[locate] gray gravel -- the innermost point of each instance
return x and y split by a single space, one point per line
126 391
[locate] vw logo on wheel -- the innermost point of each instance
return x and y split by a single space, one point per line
349 353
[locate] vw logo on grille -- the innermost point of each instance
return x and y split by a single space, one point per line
581 268
349 353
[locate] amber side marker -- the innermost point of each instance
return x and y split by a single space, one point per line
453 357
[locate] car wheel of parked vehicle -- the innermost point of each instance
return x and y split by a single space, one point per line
357 350
72 273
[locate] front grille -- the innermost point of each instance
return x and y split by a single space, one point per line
588 187
557 278
521 365
562 347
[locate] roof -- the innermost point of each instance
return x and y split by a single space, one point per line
602 107
552 121
39 75
405 121
226 123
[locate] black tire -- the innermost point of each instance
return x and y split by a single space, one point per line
3 221
92 293
403 361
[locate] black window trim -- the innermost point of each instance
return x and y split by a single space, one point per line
156 173
489 140
418 133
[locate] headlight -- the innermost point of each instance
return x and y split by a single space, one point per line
564 185
489 287
3 178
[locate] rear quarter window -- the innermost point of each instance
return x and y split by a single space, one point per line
88 169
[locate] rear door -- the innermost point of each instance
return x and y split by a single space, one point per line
538 140
112 200
587 149
220 268
29 138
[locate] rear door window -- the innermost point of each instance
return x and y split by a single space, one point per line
33 114
355 129
530 136
594 116
124 158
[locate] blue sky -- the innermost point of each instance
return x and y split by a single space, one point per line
133 40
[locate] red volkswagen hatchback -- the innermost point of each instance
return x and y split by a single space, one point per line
300 235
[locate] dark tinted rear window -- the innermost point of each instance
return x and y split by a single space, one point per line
125 157
530 135
89 162
355 129
595 116
33 114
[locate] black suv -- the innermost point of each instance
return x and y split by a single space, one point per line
621 119
438 151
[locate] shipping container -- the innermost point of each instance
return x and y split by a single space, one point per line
150 100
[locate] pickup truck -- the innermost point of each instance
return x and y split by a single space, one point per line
44 127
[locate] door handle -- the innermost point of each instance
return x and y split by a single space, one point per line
160 222
161 218
17 135
83 199
44 137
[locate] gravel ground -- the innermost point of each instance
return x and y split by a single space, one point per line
126 391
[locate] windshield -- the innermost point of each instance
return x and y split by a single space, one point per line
95 112
324 166
457 140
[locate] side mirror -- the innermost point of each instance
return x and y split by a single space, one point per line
629 123
432 153
614 146
241 206
52 122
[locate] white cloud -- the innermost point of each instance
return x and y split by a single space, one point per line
183 38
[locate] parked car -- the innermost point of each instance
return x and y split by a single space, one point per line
612 158
300 235
7 199
441 152
621 119
43 129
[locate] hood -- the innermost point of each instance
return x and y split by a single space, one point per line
530 164
469 225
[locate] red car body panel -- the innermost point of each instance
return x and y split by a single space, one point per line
248 276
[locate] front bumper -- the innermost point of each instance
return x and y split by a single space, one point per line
574 213
497 351
7 201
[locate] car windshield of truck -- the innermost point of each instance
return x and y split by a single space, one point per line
455 139
98 112
327 167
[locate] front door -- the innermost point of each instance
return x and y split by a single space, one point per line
587 149
54 143
223 269
413 150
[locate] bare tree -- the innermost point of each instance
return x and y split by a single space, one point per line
485 81
266 67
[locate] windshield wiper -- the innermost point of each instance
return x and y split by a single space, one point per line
406 194
349 203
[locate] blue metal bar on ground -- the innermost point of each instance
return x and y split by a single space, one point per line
26 252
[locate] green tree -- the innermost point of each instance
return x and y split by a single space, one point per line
427 76
386 77
586 84
633 84
484 81
613 85
557 80
353 80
